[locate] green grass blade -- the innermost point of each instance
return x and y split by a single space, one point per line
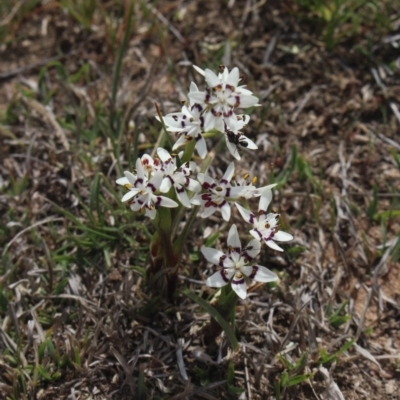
216 315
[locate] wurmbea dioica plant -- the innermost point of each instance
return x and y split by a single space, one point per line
164 186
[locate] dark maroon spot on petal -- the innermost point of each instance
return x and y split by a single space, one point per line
152 187
198 107
216 113
228 113
228 192
222 259
252 217
258 233
138 181
224 277
254 272
221 205
238 282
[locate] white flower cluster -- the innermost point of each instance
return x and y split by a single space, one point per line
210 110
154 176
214 109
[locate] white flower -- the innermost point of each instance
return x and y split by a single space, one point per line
235 268
220 99
265 225
187 125
249 190
177 177
217 194
141 191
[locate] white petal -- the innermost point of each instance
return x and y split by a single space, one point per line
131 178
237 191
263 274
123 181
166 202
253 248
197 97
208 211
219 279
256 234
226 211
229 172
233 149
211 79
163 154
139 170
212 255
260 191
201 147
151 213
233 238
248 101
181 141
197 200
247 215
194 186
265 200
273 245
281 236
232 123
129 195
136 206
239 286
199 70
233 78
184 199
165 185
155 181
250 144
193 87
243 120
219 124
209 121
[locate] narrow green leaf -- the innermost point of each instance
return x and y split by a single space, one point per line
295 380
42 372
216 315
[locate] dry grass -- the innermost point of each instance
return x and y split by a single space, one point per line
78 319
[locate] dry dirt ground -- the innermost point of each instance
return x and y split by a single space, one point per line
78 319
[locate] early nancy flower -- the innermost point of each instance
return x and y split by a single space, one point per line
265 225
236 266
141 191
177 177
221 97
188 125
217 194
